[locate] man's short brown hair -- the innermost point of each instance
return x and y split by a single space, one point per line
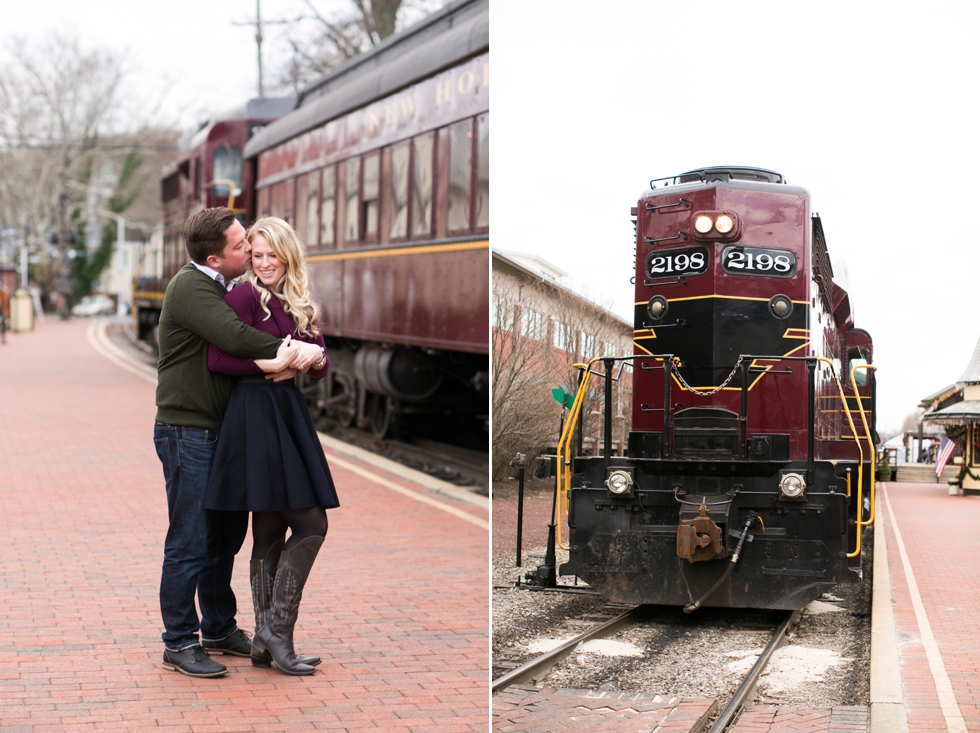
204 233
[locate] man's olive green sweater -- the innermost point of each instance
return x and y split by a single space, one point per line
195 315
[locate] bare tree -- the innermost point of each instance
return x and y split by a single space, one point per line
320 42
582 330
525 418
912 420
61 126
541 331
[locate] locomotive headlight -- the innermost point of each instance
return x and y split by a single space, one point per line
792 485
780 306
703 224
657 307
724 223
619 482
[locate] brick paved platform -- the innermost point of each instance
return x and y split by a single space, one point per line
397 604
933 553
768 719
522 709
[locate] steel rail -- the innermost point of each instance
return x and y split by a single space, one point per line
538 667
735 705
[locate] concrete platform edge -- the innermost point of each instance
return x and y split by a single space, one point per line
888 714
443 487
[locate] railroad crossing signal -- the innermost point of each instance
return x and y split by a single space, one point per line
563 398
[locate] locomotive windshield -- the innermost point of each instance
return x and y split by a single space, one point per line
227 165
710 175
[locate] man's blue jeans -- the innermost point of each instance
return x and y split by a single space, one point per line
199 554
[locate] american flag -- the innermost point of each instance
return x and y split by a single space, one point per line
946 448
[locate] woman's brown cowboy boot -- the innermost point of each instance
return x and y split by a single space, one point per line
263 574
276 636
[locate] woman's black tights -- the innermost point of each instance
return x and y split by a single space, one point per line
270 527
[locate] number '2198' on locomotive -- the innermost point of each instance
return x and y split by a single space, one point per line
752 443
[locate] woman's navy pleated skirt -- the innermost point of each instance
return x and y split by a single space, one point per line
269 458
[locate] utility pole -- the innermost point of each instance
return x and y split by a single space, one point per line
258 23
258 41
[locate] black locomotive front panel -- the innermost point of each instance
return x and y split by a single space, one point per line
672 537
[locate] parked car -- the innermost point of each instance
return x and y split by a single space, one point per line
95 305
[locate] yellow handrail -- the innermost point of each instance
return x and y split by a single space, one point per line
850 421
564 446
231 189
867 434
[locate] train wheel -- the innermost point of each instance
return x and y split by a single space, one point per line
381 414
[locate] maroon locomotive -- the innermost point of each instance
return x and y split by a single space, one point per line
750 472
209 171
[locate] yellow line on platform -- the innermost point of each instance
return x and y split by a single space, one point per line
100 341
441 505
944 689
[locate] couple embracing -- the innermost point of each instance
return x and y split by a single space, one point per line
234 435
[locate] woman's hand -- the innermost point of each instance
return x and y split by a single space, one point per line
304 355
280 376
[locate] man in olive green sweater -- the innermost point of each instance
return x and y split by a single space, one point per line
201 545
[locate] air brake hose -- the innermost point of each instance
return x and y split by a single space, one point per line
692 607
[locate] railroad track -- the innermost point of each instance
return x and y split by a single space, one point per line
535 670
538 668
742 695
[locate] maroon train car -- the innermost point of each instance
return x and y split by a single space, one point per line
383 169
742 448
209 171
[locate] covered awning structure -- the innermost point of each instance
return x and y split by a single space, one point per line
956 409
961 413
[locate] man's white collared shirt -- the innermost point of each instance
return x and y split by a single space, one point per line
216 276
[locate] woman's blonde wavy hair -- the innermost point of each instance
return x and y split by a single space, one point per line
293 289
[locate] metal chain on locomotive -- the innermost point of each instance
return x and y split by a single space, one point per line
708 393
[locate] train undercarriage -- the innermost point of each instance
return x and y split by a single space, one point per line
387 390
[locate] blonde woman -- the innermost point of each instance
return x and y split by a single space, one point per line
269 460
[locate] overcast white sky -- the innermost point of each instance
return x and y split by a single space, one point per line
867 107
189 53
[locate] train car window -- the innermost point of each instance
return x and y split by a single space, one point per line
302 185
398 217
423 155
482 171
351 224
277 207
263 202
371 187
289 201
198 178
861 375
328 207
312 208
171 187
460 172
226 164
